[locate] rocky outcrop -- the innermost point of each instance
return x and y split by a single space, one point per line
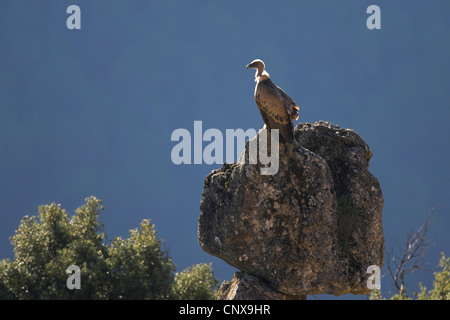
313 227
247 287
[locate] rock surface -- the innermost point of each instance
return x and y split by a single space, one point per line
313 227
247 287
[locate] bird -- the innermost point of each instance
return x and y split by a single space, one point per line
277 109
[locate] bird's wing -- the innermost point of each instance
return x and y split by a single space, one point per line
292 106
273 110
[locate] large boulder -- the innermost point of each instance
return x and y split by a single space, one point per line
313 227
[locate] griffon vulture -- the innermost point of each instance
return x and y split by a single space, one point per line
277 109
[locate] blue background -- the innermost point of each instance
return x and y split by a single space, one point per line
91 111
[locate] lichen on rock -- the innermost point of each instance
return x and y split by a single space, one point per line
313 227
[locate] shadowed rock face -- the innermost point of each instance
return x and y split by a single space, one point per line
247 287
314 227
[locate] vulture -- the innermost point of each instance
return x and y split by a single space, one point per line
277 109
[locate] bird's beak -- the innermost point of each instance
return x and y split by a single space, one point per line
249 66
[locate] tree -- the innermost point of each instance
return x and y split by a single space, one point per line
133 268
413 256
139 269
411 260
440 291
195 283
441 283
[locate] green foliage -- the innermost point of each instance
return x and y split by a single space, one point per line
440 291
375 295
196 283
140 270
133 268
441 283
401 295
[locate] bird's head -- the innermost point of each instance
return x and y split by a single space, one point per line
259 65
256 64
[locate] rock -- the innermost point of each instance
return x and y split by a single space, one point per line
247 287
313 227
358 193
